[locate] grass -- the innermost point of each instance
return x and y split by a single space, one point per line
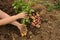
51 7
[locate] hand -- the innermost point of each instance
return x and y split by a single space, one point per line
22 15
23 29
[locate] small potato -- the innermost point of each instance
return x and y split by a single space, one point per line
37 26
23 34
33 24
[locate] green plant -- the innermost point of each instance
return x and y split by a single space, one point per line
57 5
50 6
20 6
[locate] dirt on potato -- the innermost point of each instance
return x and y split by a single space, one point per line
49 28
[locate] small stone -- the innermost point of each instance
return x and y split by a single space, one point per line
30 32
30 36
49 26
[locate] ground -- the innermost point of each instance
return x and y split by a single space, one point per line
49 30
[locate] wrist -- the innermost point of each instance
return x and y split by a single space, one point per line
17 16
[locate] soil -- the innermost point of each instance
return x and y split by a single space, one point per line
49 30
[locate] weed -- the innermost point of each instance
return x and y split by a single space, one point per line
50 6
57 5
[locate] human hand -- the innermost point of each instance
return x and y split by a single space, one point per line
22 15
23 30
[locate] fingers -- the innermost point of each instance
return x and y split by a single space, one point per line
24 12
23 30
22 15
26 16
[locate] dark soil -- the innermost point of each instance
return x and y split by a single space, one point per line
49 30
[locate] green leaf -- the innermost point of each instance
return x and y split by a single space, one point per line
23 21
31 10
27 20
